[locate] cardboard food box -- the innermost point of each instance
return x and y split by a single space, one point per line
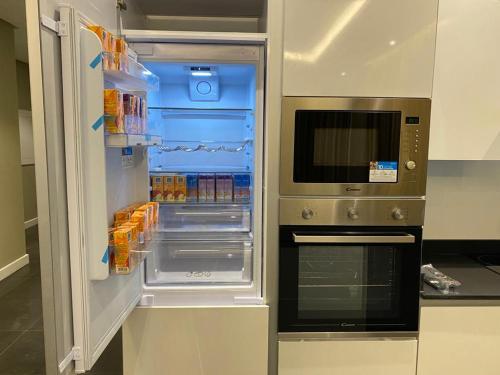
157 188
180 188
169 188
192 188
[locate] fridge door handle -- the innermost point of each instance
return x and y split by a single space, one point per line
356 239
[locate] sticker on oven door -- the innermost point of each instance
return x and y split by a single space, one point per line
383 171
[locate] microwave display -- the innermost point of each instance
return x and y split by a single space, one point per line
340 146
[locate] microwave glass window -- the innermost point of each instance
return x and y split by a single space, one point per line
347 282
340 146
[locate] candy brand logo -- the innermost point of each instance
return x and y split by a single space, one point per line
352 189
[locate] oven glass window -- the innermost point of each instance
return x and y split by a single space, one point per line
347 283
346 146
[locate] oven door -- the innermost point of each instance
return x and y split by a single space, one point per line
354 146
349 279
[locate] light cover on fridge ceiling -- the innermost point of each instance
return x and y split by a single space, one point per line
203 84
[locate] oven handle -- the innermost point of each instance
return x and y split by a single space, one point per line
360 239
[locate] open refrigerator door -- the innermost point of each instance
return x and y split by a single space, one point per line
106 171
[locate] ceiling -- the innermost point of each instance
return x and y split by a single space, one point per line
13 11
202 8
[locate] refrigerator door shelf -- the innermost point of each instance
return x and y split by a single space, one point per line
178 263
205 218
127 74
131 140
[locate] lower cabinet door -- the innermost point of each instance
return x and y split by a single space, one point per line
348 357
459 340
215 340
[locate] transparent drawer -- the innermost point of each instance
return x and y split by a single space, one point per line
178 217
200 262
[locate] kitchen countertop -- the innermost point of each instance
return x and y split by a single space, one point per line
478 282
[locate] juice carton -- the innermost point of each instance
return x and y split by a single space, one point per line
180 188
134 227
220 185
113 111
202 188
210 188
122 215
192 188
156 211
121 49
128 112
141 218
157 188
168 188
242 188
122 238
228 188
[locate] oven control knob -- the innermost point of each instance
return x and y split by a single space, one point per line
397 214
307 213
411 165
353 214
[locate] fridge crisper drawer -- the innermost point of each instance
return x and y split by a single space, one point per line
205 218
175 262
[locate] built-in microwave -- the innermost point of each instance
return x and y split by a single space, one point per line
354 146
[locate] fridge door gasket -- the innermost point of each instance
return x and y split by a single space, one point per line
101 303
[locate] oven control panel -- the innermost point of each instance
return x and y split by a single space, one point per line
376 212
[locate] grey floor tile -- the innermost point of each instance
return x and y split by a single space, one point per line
25 356
8 338
19 315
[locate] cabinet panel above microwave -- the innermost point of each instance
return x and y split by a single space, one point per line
370 48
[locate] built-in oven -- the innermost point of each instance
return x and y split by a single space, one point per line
338 272
354 146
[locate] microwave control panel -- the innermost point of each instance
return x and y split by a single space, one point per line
410 149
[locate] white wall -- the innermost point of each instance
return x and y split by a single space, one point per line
463 200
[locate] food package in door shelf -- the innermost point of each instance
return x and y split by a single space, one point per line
134 229
129 101
123 245
156 211
157 188
149 211
121 49
113 111
168 188
141 218
180 188
210 187
107 44
122 216
192 188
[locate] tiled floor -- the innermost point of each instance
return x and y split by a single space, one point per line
21 323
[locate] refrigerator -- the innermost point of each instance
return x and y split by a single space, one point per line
203 130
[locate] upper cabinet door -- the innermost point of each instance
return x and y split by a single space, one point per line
465 120
370 48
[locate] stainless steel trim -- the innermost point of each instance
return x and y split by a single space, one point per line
327 336
375 212
411 182
408 238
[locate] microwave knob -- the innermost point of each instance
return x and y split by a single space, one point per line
397 214
307 213
353 214
411 165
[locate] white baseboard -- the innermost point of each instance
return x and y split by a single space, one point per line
31 223
10 268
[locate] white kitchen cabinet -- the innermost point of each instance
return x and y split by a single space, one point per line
371 48
196 341
459 340
348 357
465 120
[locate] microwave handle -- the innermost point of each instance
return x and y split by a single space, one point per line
358 239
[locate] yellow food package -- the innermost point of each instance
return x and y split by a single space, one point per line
157 188
149 210
121 55
168 188
113 111
104 36
180 188
122 246
134 227
111 232
122 215
156 211
141 218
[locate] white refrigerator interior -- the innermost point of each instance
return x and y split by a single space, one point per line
205 126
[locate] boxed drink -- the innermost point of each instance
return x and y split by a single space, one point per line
220 186
122 215
202 188
156 211
113 111
129 114
210 187
180 188
141 218
228 188
123 243
168 188
192 188
242 188
157 188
